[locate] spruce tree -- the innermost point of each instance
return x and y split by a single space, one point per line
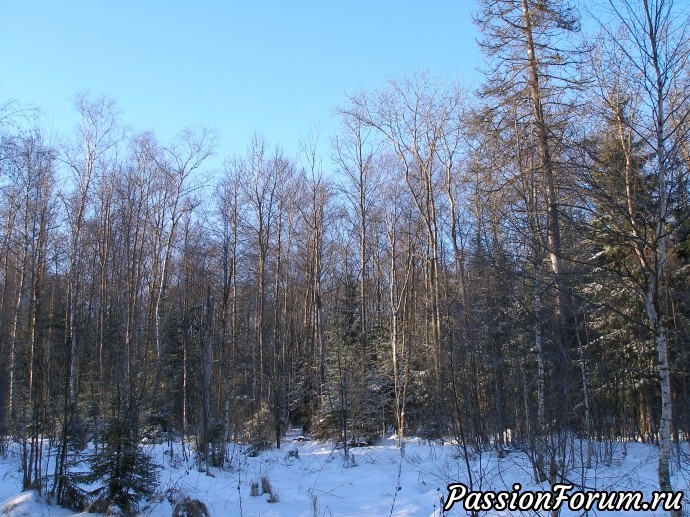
126 472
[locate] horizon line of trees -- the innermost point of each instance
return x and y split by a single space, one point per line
509 269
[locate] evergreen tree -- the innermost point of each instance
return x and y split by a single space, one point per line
126 472
349 401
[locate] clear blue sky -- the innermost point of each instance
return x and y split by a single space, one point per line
271 67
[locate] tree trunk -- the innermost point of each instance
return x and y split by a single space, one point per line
206 360
553 234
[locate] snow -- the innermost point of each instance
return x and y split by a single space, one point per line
382 481
30 504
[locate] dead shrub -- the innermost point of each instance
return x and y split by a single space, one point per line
190 508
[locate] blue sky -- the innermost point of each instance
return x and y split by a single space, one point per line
271 67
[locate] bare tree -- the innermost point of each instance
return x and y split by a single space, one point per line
176 164
317 192
532 55
412 116
97 136
229 212
399 227
355 151
31 170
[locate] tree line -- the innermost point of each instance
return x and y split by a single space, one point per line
508 268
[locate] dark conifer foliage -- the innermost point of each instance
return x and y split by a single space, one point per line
124 471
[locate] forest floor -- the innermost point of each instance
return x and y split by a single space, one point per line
311 478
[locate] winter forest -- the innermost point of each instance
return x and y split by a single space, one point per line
505 268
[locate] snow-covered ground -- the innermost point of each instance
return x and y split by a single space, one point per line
382 480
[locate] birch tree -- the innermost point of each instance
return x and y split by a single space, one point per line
642 103
176 164
355 150
96 137
411 116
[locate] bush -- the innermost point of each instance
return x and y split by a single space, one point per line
260 429
190 508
